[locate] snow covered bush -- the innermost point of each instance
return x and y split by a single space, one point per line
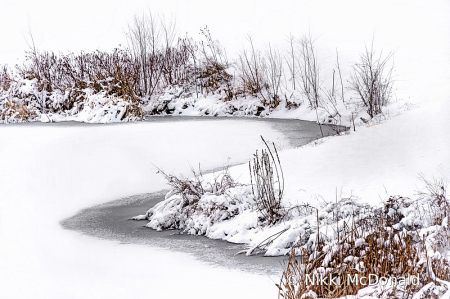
199 217
18 100
49 86
204 207
13 110
142 77
24 102
103 108
193 205
398 240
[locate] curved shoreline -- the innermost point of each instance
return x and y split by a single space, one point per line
110 220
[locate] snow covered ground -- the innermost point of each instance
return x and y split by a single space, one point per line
370 164
373 160
48 172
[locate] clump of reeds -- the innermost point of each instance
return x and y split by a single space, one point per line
371 241
267 182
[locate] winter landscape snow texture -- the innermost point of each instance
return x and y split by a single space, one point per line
72 138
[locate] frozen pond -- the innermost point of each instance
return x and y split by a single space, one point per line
110 220
51 172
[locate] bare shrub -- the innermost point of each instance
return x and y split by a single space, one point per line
291 60
372 80
260 73
310 74
176 64
251 70
305 75
150 40
309 71
273 72
333 96
267 184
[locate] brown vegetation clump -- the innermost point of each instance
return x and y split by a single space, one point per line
267 184
10 111
373 242
156 60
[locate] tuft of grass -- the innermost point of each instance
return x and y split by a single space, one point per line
267 182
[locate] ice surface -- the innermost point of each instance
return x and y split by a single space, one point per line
50 171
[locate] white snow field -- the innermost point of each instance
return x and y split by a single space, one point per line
49 172
370 164
376 159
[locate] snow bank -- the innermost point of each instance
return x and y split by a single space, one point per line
176 101
233 217
23 102
380 159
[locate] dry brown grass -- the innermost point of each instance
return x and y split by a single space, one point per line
5 78
365 245
267 182
70 74
10 111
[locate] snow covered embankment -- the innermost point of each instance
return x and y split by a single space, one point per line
362 176
27 101
24 102
176 101
345 237
233 216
